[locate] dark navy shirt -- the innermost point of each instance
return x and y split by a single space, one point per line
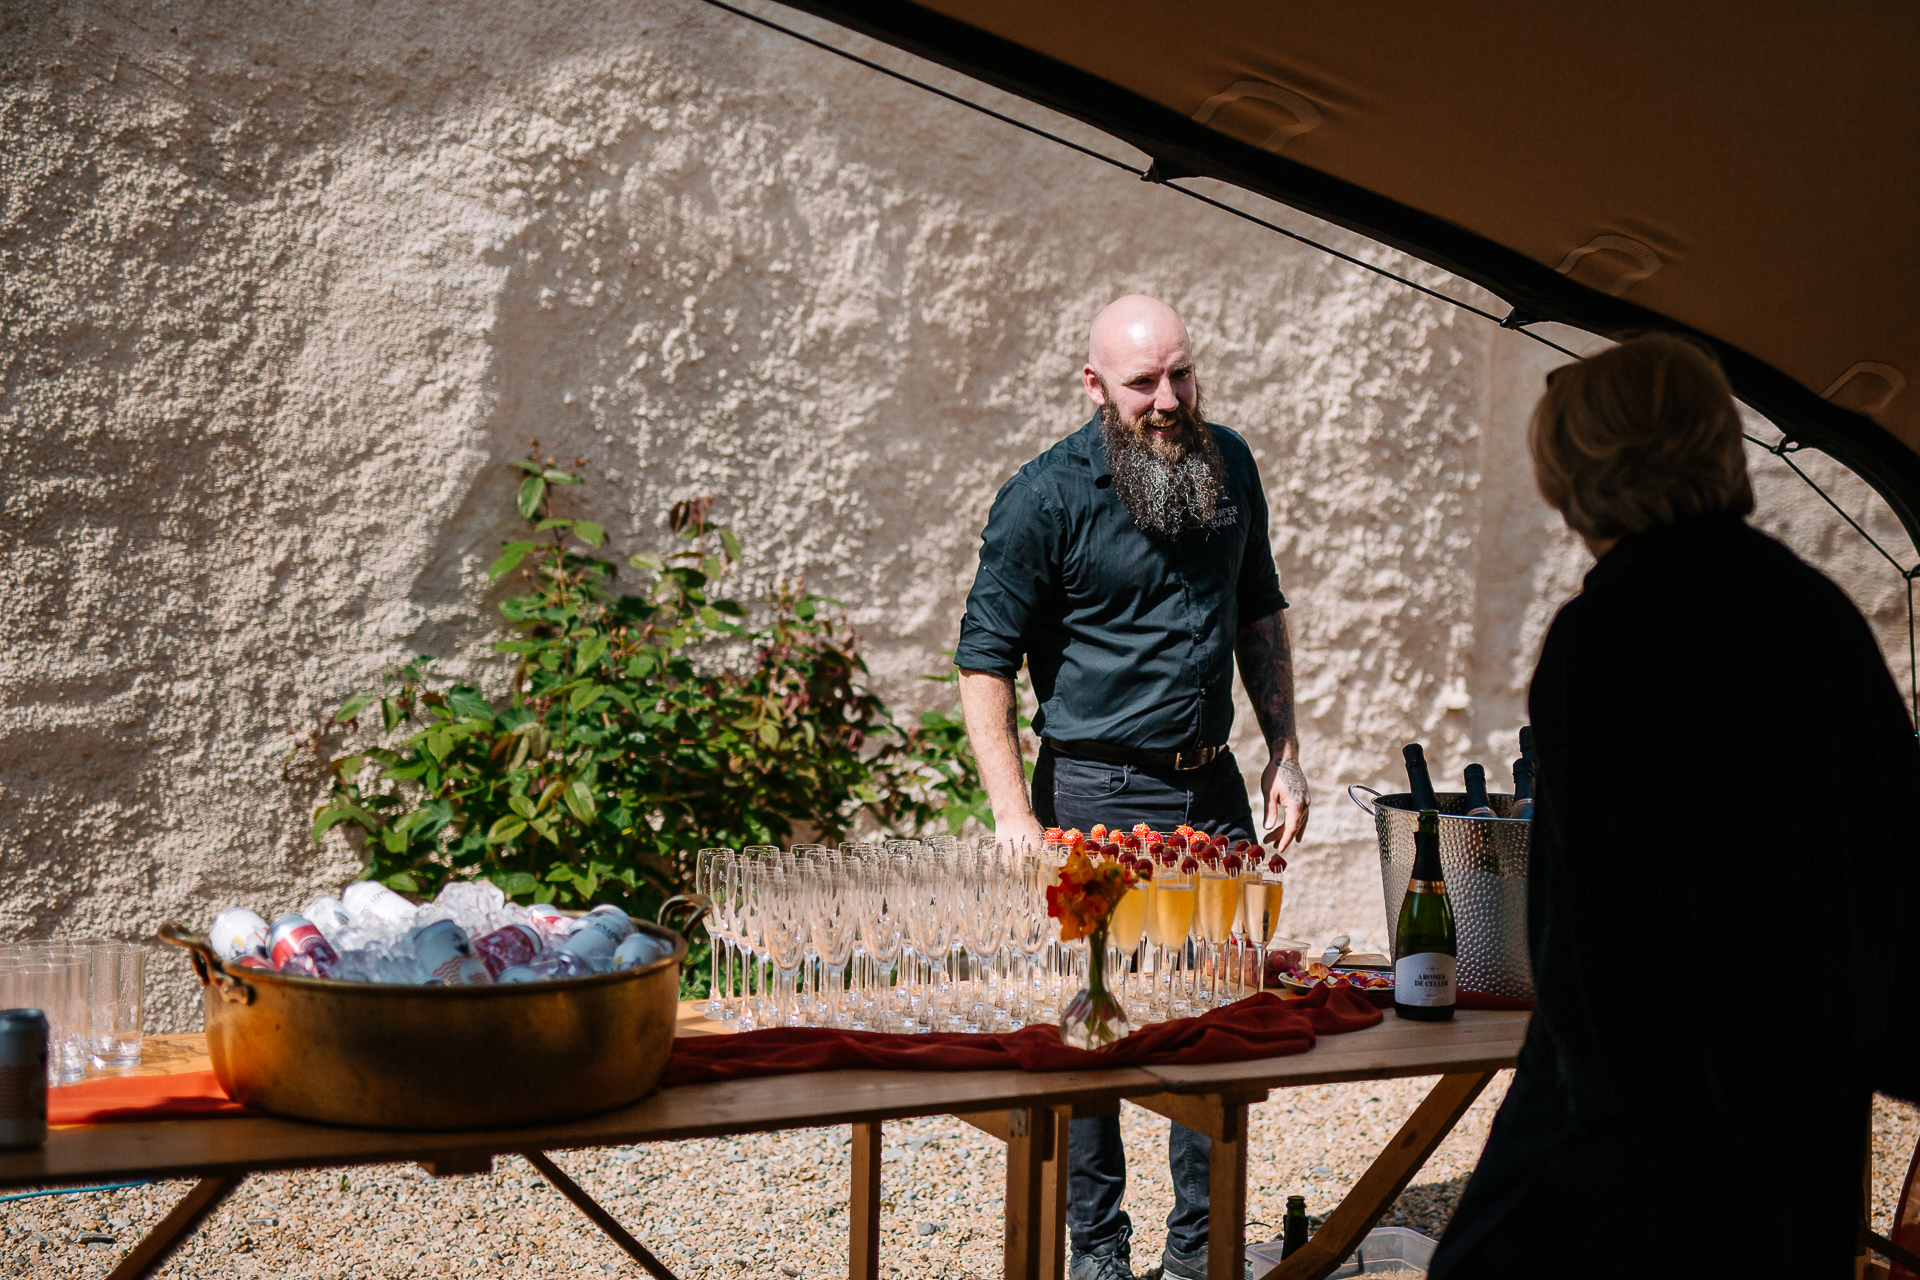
1129 634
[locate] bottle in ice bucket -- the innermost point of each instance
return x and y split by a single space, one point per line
445 952
1522 789
1477 806
1423 946
1417 780
370 897
298 947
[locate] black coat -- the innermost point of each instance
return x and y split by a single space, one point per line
1723 875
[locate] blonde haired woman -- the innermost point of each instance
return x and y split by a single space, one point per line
1723 868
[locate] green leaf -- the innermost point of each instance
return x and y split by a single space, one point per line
589 532
511 556
804 610
580 800
769 736
520 805
352 707
532 490
560 477
468 704
643 561
553 522
731 543
439 743
506 829
589 653
403 882
527 465
519 646
330 817
585 696
515 883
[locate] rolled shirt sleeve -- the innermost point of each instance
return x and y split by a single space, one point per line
1014 592
1258 592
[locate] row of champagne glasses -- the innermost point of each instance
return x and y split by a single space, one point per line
945 934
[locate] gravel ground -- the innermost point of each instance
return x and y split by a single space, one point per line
771 1205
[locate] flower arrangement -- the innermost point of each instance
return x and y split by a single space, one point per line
1082 899
1086 894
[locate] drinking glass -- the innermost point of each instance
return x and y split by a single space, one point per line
785 939
881 905
707 870
1174 896
831 910
119 981
1219 902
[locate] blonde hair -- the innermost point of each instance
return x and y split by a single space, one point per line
1641 435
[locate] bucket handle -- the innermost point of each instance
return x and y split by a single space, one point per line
1359 786
206 964
696 905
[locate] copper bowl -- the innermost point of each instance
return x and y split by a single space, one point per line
387 1056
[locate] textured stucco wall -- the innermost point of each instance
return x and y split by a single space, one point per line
282 288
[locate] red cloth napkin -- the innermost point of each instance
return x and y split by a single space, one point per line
1261 1026
190 1094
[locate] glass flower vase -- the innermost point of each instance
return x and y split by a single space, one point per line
1093 1019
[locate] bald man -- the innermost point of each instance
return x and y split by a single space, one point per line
1127 567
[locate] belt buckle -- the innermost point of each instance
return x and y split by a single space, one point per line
1180 759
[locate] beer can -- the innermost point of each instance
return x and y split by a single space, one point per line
238 932
298 947
600 933
504 948
23 1078
444 951
641 948
549 919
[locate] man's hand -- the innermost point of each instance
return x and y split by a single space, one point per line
1283 788
1009 830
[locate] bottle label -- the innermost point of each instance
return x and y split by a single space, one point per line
1425 980
1426 886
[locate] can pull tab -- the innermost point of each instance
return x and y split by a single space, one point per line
206 964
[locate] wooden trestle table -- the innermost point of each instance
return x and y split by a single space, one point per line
1028 1111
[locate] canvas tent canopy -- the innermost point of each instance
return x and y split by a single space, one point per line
1742 172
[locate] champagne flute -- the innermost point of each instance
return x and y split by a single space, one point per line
1264 891
1175 904
1219 901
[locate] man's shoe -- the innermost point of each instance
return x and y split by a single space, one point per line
1175 1265
1110 1264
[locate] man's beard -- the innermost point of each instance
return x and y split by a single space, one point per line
1169 483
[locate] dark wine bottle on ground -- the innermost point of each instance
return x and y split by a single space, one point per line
1522 789
1423 946
1417 780
1296 1231
1477 806
1526 746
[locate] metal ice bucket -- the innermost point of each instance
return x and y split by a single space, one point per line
1485 861
390 1056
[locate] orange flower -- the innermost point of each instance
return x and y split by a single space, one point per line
1086 893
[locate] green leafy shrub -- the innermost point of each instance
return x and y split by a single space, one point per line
640 728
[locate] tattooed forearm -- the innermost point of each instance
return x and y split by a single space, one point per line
1266 668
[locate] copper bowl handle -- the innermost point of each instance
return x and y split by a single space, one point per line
206 964
696 905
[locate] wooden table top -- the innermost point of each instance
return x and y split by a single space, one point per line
203 1147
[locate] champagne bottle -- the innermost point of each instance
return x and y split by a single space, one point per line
1296 1230
1423 946
1477 806
1417 780
1522 789
1526 745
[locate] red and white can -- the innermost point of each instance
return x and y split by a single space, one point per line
295 946
444 951
238 932
551 921
504 948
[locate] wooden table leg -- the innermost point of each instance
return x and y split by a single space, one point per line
1227 1196
1384 1179
1029 1137
597 1215
1053 1200
863 1204
158 1244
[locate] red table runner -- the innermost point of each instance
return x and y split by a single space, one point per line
1261 1026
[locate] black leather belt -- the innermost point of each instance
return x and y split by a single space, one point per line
1182 760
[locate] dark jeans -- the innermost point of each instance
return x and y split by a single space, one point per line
1079 793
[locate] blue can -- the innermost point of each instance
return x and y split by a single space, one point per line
23 1078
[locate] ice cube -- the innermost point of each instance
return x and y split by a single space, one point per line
329 915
